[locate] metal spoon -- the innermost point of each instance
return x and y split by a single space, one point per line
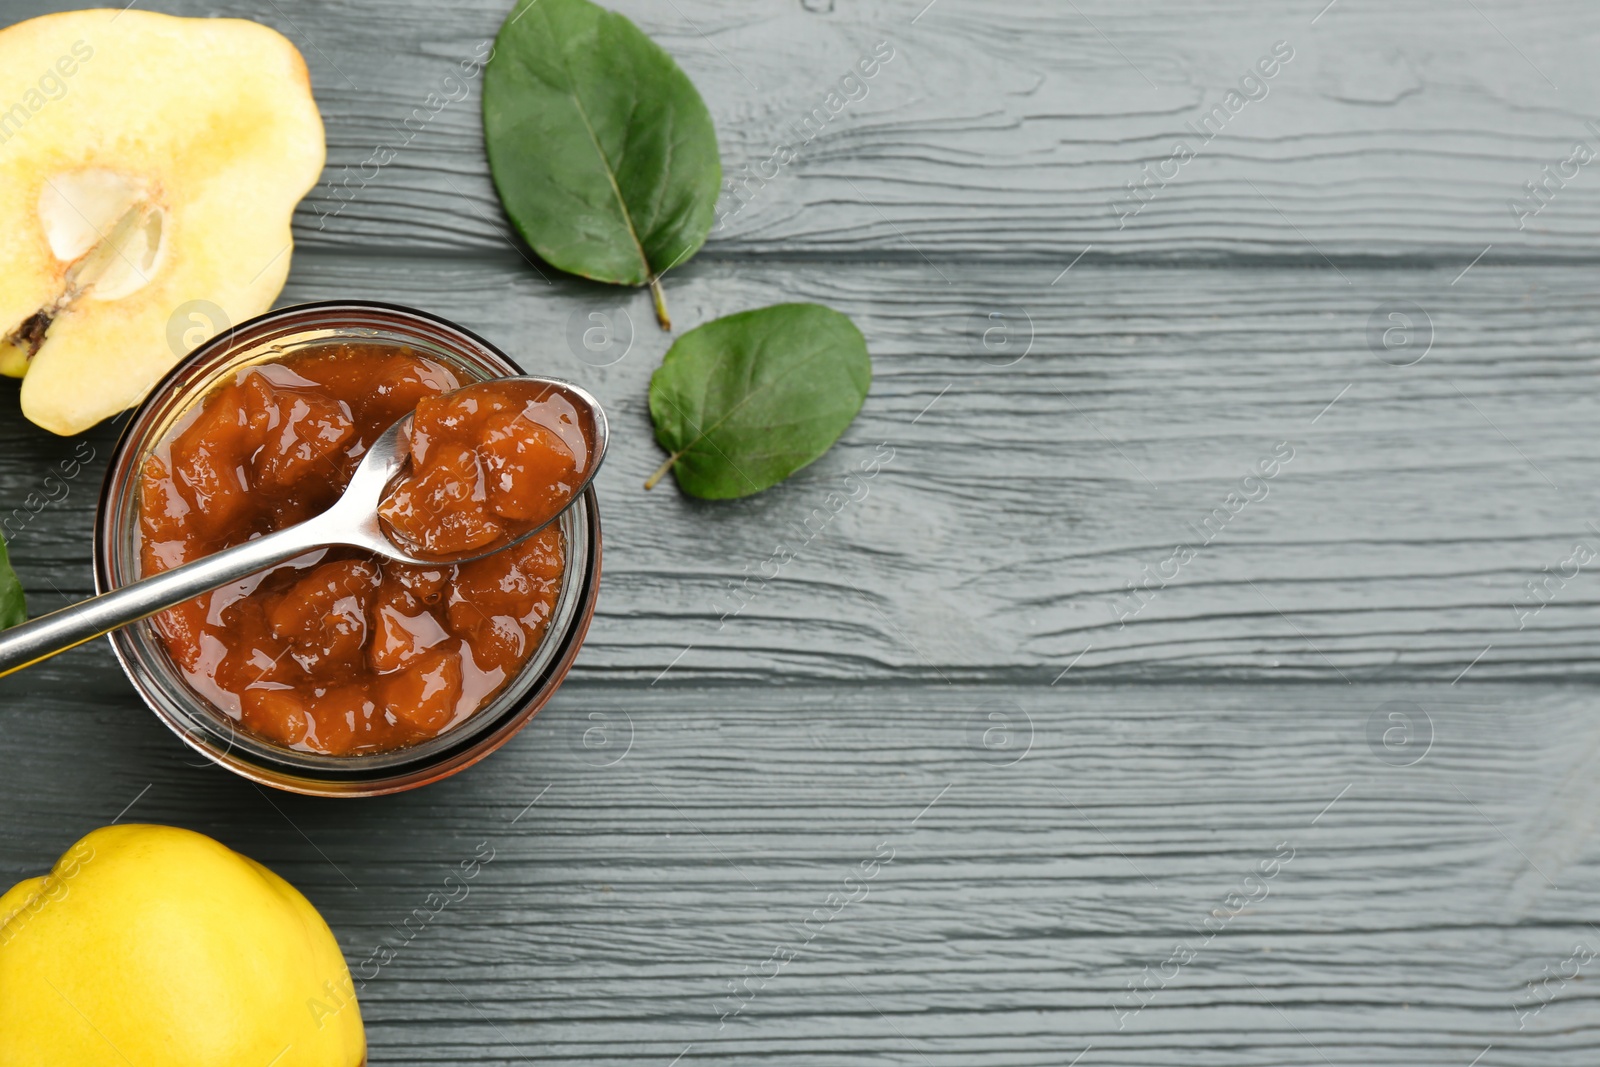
352 520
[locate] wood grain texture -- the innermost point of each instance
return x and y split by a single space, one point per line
1006 130
998 541
1030 880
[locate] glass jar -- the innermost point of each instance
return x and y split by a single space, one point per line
208 729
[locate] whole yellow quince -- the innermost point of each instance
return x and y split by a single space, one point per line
151 945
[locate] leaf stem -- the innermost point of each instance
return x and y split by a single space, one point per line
661 471
660 296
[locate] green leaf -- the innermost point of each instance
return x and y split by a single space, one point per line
743 402
12 608
602 151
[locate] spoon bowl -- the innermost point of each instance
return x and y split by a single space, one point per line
388 457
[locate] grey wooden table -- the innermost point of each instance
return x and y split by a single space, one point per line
1324 790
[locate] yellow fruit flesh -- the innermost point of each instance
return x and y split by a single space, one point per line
206 130
13 360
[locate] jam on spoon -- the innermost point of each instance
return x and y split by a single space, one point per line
489 463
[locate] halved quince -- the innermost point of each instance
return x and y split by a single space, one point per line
149 166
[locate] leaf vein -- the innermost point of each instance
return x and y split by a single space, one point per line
594 139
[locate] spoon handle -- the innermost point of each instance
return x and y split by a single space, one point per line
41 638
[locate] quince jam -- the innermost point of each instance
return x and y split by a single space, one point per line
488 462
339 651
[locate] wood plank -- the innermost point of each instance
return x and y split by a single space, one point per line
1029 883
1008 129
1021 500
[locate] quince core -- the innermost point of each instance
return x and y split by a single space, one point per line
149 167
